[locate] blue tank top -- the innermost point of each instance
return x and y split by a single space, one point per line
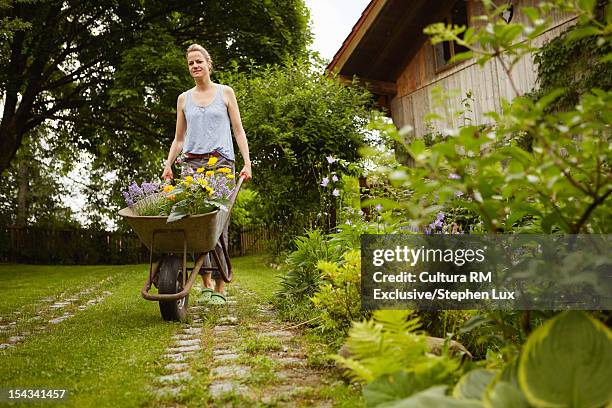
208 127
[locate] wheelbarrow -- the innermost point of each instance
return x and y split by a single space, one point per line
170 243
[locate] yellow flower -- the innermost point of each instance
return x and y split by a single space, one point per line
168 188
172 197
230 176
202 181
209 173
212 161
200 170
210 190
224 170
188 179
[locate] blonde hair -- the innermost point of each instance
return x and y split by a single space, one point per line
198 47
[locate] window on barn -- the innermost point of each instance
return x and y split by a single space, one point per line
444 51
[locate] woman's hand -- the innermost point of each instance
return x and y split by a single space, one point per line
167 174
246 172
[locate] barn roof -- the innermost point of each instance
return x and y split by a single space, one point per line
385 38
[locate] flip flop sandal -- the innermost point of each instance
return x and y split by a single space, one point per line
204 297
216 299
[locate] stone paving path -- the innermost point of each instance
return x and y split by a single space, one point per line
179 356
256 359
17 326
251 359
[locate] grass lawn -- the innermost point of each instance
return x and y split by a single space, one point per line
110 353
251 275
105 353
25 284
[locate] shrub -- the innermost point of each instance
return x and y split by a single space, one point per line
304 277
338 298
296 117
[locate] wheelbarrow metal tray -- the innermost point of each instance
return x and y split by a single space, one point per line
201 231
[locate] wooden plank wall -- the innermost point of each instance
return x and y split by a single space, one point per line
488 84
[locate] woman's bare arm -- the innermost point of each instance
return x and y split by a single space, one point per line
239 134
179 137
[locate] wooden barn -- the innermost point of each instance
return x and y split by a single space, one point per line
388 51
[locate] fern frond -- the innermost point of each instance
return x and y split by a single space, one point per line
397 321
365 339
357 371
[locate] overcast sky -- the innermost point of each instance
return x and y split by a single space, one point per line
332 21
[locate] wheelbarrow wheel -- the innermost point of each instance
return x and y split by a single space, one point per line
170 281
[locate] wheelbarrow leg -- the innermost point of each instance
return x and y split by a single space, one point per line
226 274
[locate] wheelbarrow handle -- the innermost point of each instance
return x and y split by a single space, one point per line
236 191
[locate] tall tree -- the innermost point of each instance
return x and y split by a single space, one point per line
108 72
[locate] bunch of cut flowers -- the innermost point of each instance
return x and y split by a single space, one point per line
204 190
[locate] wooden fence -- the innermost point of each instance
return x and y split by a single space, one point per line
253 239
86 247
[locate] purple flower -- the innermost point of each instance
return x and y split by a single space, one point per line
458 193
330 159
335 193
454 176
220 186
378 207
150 188
325 182
334 178
128 199
135 191
440 216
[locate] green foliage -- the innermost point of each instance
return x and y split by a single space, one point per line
384 344
432 397
574 64
247 209
392 389
568 362
322 285
474 384
390 356
338 297
304 277
263 370
564 185
506 395
295 117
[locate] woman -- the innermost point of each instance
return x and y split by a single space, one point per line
205 115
